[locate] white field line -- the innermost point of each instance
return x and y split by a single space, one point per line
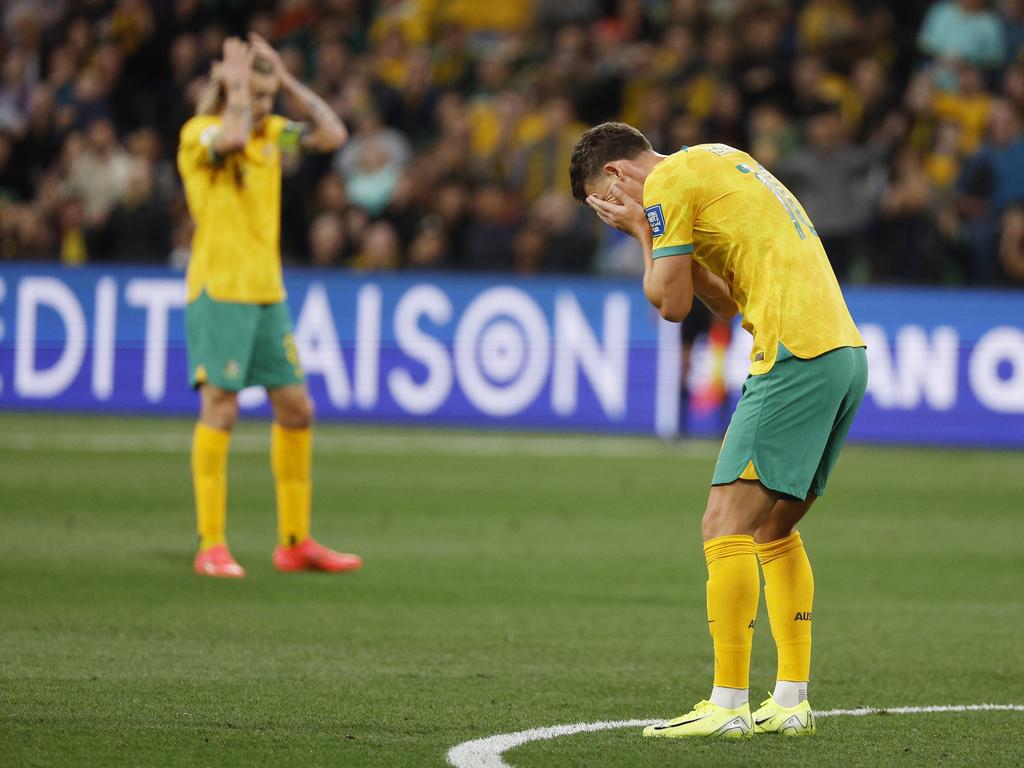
376 444
861 711
487 752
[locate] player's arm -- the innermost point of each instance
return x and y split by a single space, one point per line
668 280
236 121
327 132
714 292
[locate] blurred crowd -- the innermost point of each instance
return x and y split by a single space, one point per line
898 125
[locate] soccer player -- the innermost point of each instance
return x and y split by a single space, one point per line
237 323
715 224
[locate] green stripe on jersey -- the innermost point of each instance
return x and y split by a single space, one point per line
672 250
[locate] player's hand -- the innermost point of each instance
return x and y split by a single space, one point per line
234 70
265 50
625 213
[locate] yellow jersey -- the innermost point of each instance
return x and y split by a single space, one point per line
235 204
740 223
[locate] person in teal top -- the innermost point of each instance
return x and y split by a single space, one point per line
964 29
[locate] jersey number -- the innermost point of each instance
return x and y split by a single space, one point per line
796 214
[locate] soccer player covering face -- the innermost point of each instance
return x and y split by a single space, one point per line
237 323
716 225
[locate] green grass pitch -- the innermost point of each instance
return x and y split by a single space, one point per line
510 582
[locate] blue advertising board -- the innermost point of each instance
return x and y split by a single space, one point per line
946 366
441 348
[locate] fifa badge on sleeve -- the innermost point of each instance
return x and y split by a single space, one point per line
656 218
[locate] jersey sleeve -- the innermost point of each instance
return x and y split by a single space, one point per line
287 134
195 145
290 137
670 209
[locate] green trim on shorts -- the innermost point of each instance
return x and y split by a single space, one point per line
792 421
232 345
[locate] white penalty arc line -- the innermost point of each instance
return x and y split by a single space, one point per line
487 752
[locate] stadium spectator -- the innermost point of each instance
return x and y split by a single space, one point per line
907 247
1012 12
490 235
452 211
372 162
139 227
763 63
966 107
992 181
429 246
14 90
145 144
74 243
827 26
839 183
379 248
556 237
327 240
489 97
870 103
538 164
1011 245
99 173
39 140
964 29
14 181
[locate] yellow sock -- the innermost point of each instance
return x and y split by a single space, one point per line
291 457
789 594
733 591
210 482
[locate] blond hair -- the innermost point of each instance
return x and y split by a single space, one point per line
212 98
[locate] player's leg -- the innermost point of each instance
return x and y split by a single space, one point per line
782 520
291 460
217 413
276 366
734 512
789 597
219 338
772 449
789 581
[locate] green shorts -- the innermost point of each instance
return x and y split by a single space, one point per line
791 422
233 345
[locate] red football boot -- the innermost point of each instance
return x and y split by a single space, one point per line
311 556
217 561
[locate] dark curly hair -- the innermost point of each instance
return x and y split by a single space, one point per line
602 144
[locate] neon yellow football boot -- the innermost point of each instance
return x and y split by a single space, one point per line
706 719
788 721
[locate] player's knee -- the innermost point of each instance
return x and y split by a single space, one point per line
709 525
220 410
296 412
773 529
783 519
305 410
716 522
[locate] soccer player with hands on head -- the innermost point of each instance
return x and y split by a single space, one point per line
238 327
715 225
